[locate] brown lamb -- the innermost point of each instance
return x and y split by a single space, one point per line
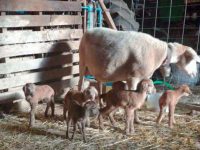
81 98
34 94
127 99
170 99
79 114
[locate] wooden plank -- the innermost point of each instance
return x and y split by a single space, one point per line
107 15
42 76
13 37
40 63
38 48
58 86
38 5
36 20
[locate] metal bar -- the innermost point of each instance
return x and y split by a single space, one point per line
184 22
155 24
170 13
143 15
198 39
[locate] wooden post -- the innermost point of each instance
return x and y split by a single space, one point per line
107 15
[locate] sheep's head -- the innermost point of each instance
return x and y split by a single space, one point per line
29 89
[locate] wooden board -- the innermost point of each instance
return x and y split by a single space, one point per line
13 37
38 48
38 20
40 63
39 5
58 86
42 76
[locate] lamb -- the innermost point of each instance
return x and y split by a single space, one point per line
90 93
170 99
34 94
111 56
127 99
79 114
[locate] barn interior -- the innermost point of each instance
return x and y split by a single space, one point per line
39 43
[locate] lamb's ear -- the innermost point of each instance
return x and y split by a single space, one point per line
24 88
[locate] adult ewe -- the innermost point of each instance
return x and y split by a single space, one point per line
111 55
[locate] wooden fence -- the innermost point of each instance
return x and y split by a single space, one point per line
38 43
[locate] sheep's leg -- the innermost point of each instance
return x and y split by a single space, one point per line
83 131
64 112
47 109
68 121
129 121
132 130
112 120
52 106
87 122
32 114
74 130
104 111
132 85
100 93
161 115
171 115
82 70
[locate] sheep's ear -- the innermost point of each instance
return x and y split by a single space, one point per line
24 88
192 53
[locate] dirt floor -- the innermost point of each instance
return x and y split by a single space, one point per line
49 133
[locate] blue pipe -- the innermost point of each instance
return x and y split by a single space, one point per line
99 15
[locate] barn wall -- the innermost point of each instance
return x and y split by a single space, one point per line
38 43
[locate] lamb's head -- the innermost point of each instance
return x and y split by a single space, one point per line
147 86
185 58
90 93
91 108
29 89
185 90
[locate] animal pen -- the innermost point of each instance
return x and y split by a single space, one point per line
39 43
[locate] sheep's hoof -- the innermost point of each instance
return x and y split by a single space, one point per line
130 133
138 121
2 116
101 127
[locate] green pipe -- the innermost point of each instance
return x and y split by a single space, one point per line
160 82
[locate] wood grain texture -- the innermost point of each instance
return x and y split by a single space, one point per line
40 63
39 5
14 37
19 80
38 20
38 48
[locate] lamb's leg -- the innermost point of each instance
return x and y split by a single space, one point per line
68 121
105 111
171 115
129 121
74 130
100 93
132 85
64 112
83 131
112 120
132 130
47 108
82 70
32 114
161 115
52 106
87 124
